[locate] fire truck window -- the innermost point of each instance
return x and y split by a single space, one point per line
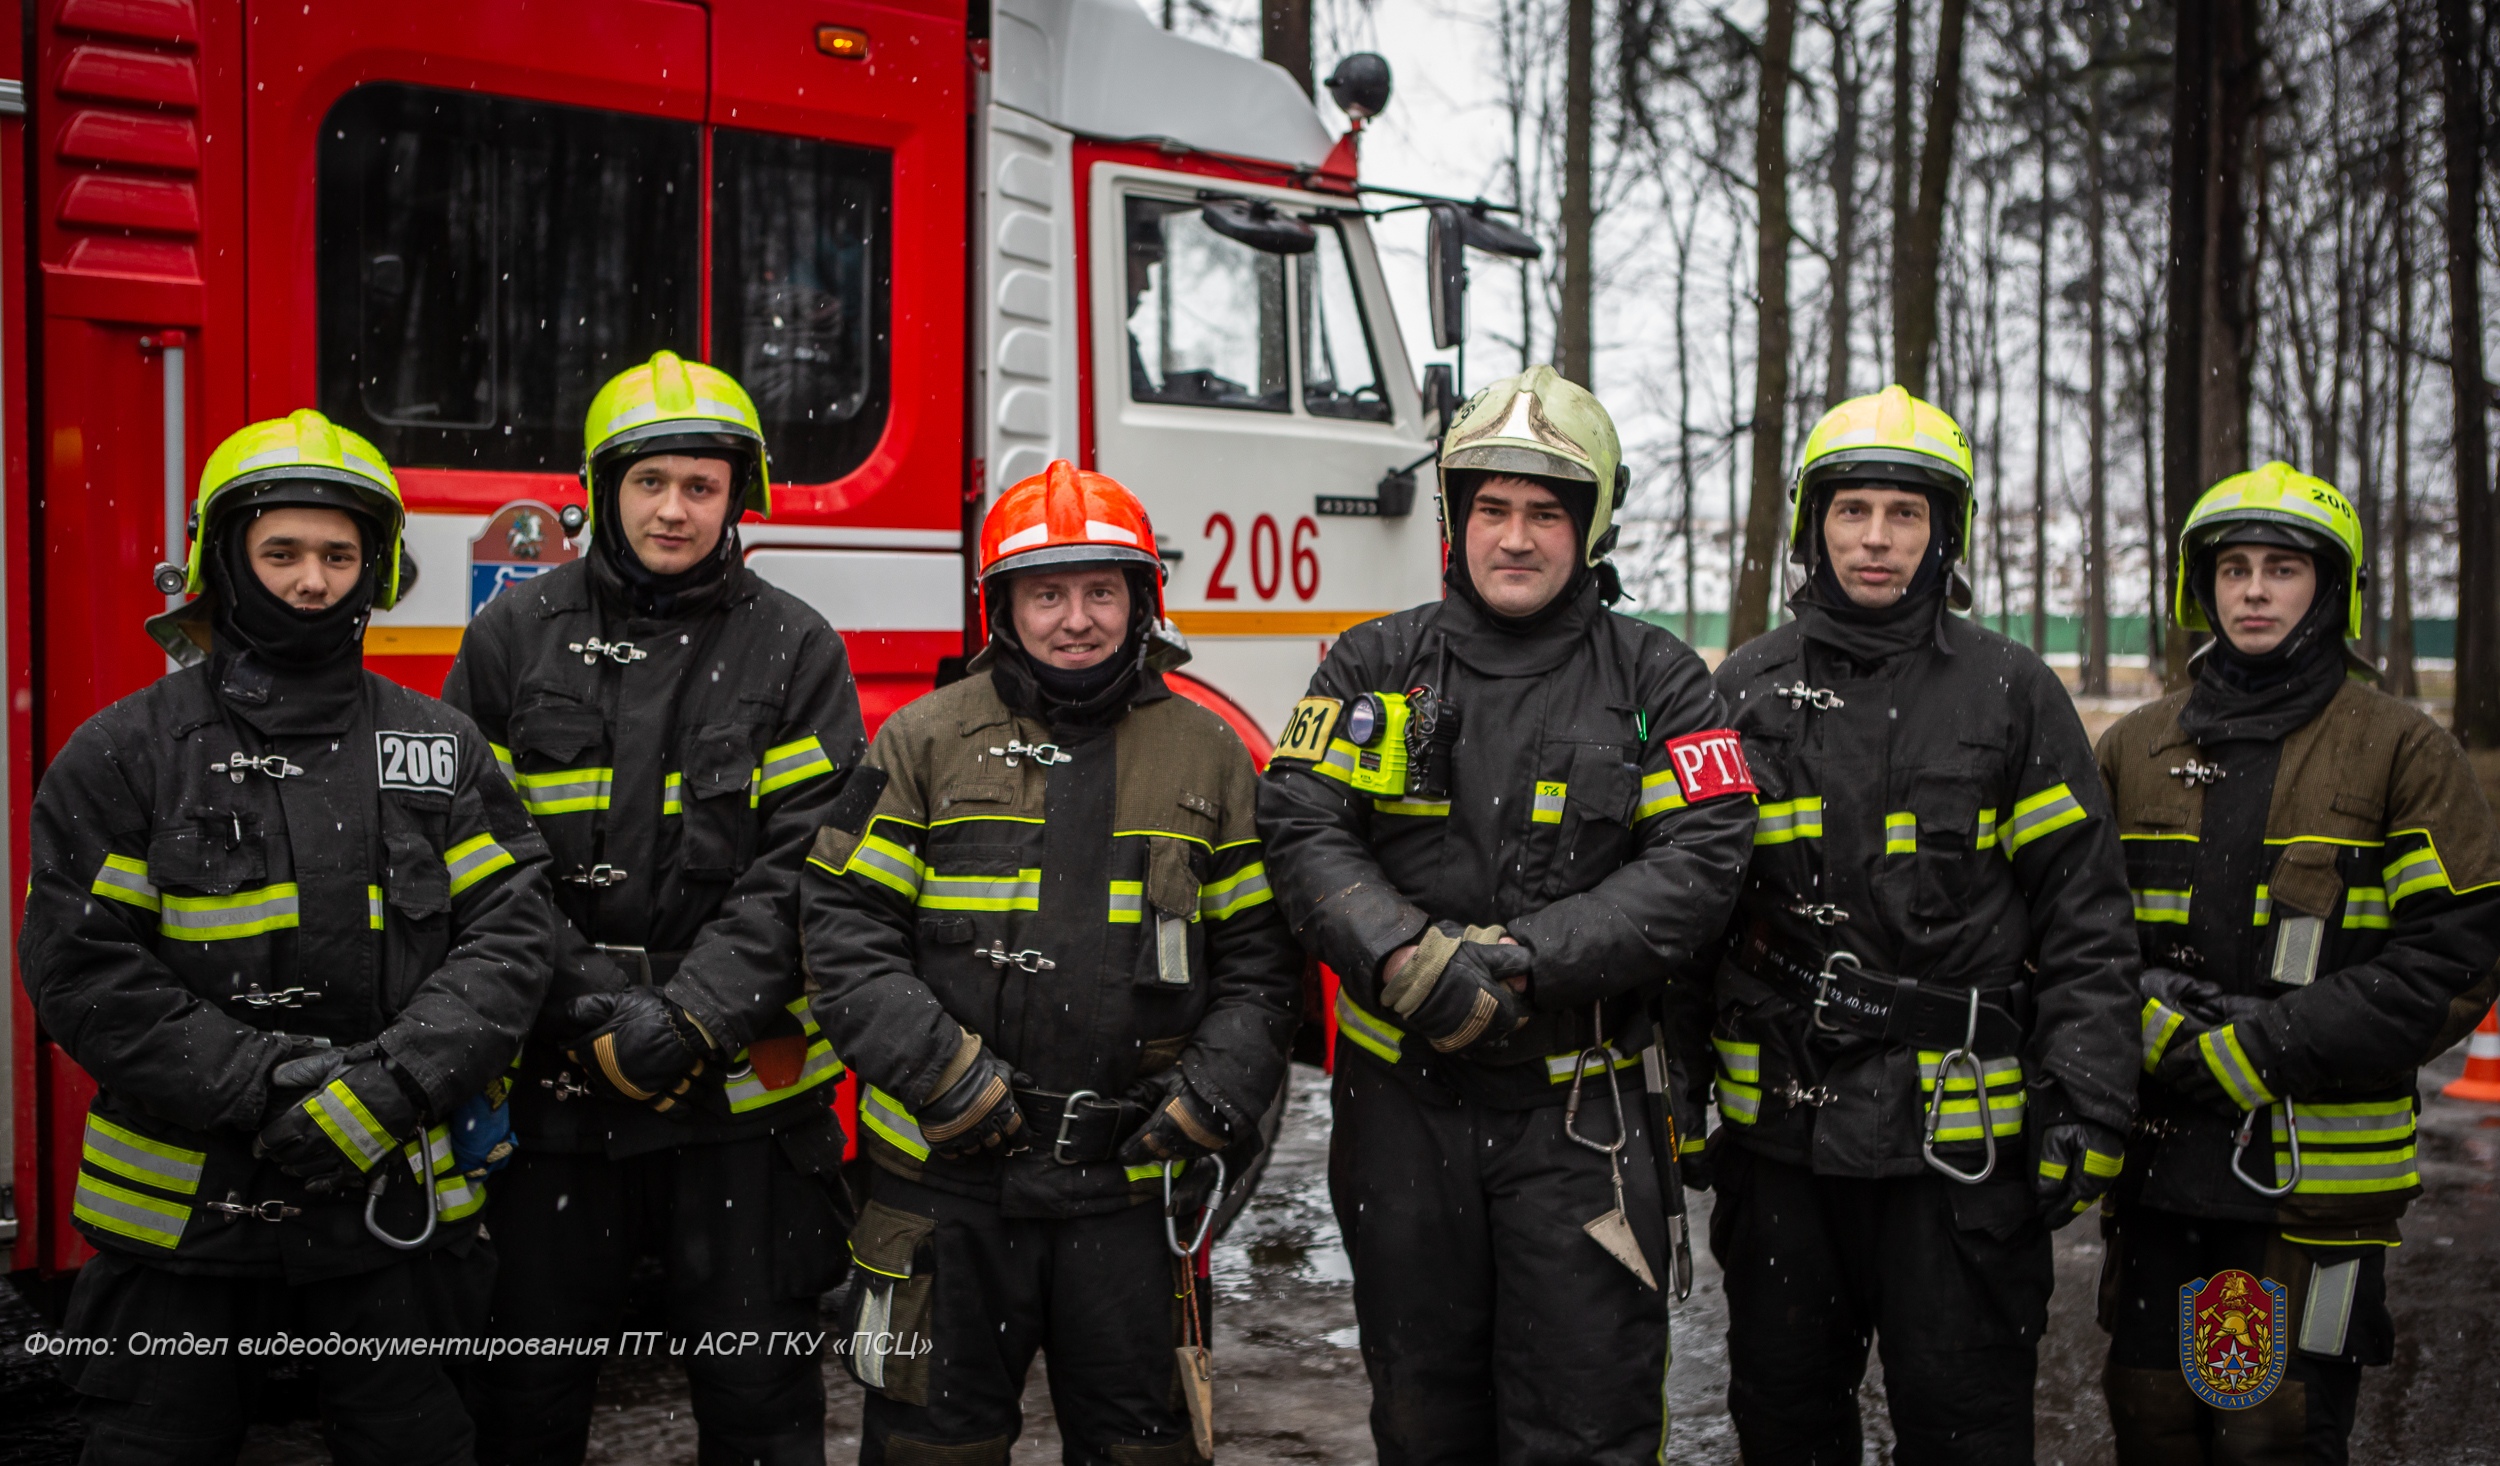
484 264
1340 374
799 264
1206 317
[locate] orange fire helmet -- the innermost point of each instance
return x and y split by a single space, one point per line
1065 516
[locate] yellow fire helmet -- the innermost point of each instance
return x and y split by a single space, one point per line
2273 504
1890 437
302 458
1538 425
671 405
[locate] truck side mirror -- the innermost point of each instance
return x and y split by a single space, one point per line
1440 394
1445 275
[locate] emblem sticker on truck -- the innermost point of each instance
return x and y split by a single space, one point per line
427 761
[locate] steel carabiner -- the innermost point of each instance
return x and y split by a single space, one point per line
1206 1213
425 1182
1603 1057
1967 1057
2247 1132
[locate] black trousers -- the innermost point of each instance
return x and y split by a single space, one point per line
746 1242
1495 1329
1097 1293
156 1408
2159 1420
1817 1266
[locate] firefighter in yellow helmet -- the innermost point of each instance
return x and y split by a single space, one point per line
678 728
293 921
2317 899
1924 1039
1512 822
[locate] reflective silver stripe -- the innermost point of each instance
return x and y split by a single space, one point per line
885 1115
1338 762
1546 806
1020 892
792 763
1558 1067
350 1126
1901 833
888 864
2328 1313
1740 1061
1384 1040
1236 893
2350 1124
147 1219
1794 819
2265 907
2162 906
168 1167
750 1094
2365 906
1128 902
2051 809
567 791
1999 1072
126 880
503 761
219 918
473 860
2413 872
2159 1024
1739 1104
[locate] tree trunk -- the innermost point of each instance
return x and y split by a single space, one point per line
2156 562
1914 308
2400 678
2096 512
2230 274
1684 408
2040 364
1573 347
2478 518
1751 615
2183 324
1848 87
1904 158
1285 38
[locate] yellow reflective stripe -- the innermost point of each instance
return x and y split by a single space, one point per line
2368 1122
1789 819
126 880
1958 1119
2265 907
673 794
128 1153
2414 872
1546 806
1153 1171
893 866
1739 1061
2365 907
1236 893
1901 833
474 859
1128 902
1019 892
100 1203
351 1127
2159 1025
1414 808
373 907
2231 1067
2350 1148
1660 793
224 918
2096 1163
2162 906
884 1116
1739 1104
1559 1067
1384 1040
749 1093
2000 1073
503 761
2044 813
1987 838
565 791
792 763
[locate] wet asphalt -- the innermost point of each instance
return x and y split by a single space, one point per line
1290 1385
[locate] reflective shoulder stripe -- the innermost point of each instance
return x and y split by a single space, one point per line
2044 813
884 1116
225 918
1559 1067
1236 893
750 1094
2153 905
128 1153
1660 793
2159 1025
1739 1104
1789 819
149 1219
1738 1060
2231 1067
474 859
1384 1040
2414 872
565 791
503 761
1546 807
2365 907
1019 892
1128 902
1901 833
124 879
1413 808
895 866
351 1127
373 907
792 763
673 794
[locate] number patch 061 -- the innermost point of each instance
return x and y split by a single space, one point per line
418 760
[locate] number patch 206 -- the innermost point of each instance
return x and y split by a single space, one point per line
418 760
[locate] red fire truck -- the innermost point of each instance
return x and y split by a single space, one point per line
941 243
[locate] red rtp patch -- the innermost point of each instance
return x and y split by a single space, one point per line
1710 764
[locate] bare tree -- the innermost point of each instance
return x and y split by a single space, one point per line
1914 300
2096 224
1840 18
1284 37
1751 614
2478 518
2183 331
1573 347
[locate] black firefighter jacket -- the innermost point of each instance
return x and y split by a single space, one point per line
1571 821
189 910
1091 901
2369 937
1937 816
678 767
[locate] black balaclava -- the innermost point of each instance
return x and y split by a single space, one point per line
620 573
1870 634
1579 500
1089 695
2265 697
289 669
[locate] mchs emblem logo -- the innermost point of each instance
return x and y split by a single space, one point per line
2231 1343
521 540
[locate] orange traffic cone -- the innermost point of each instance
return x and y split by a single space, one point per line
2481 1080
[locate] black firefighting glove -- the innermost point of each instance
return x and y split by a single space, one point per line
974 1108
638 1046
2223 1068
2078 1161
337 1114
1183 1126
1451 990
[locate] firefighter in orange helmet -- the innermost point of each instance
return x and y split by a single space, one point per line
1041 933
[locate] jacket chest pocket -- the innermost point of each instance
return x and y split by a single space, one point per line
1941 846
415 881
202 858
1592 802
720 799
1171 946
215 889
559 757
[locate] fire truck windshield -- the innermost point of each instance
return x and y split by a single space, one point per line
1206 321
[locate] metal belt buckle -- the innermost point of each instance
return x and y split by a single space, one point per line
1823 986
1067 1117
